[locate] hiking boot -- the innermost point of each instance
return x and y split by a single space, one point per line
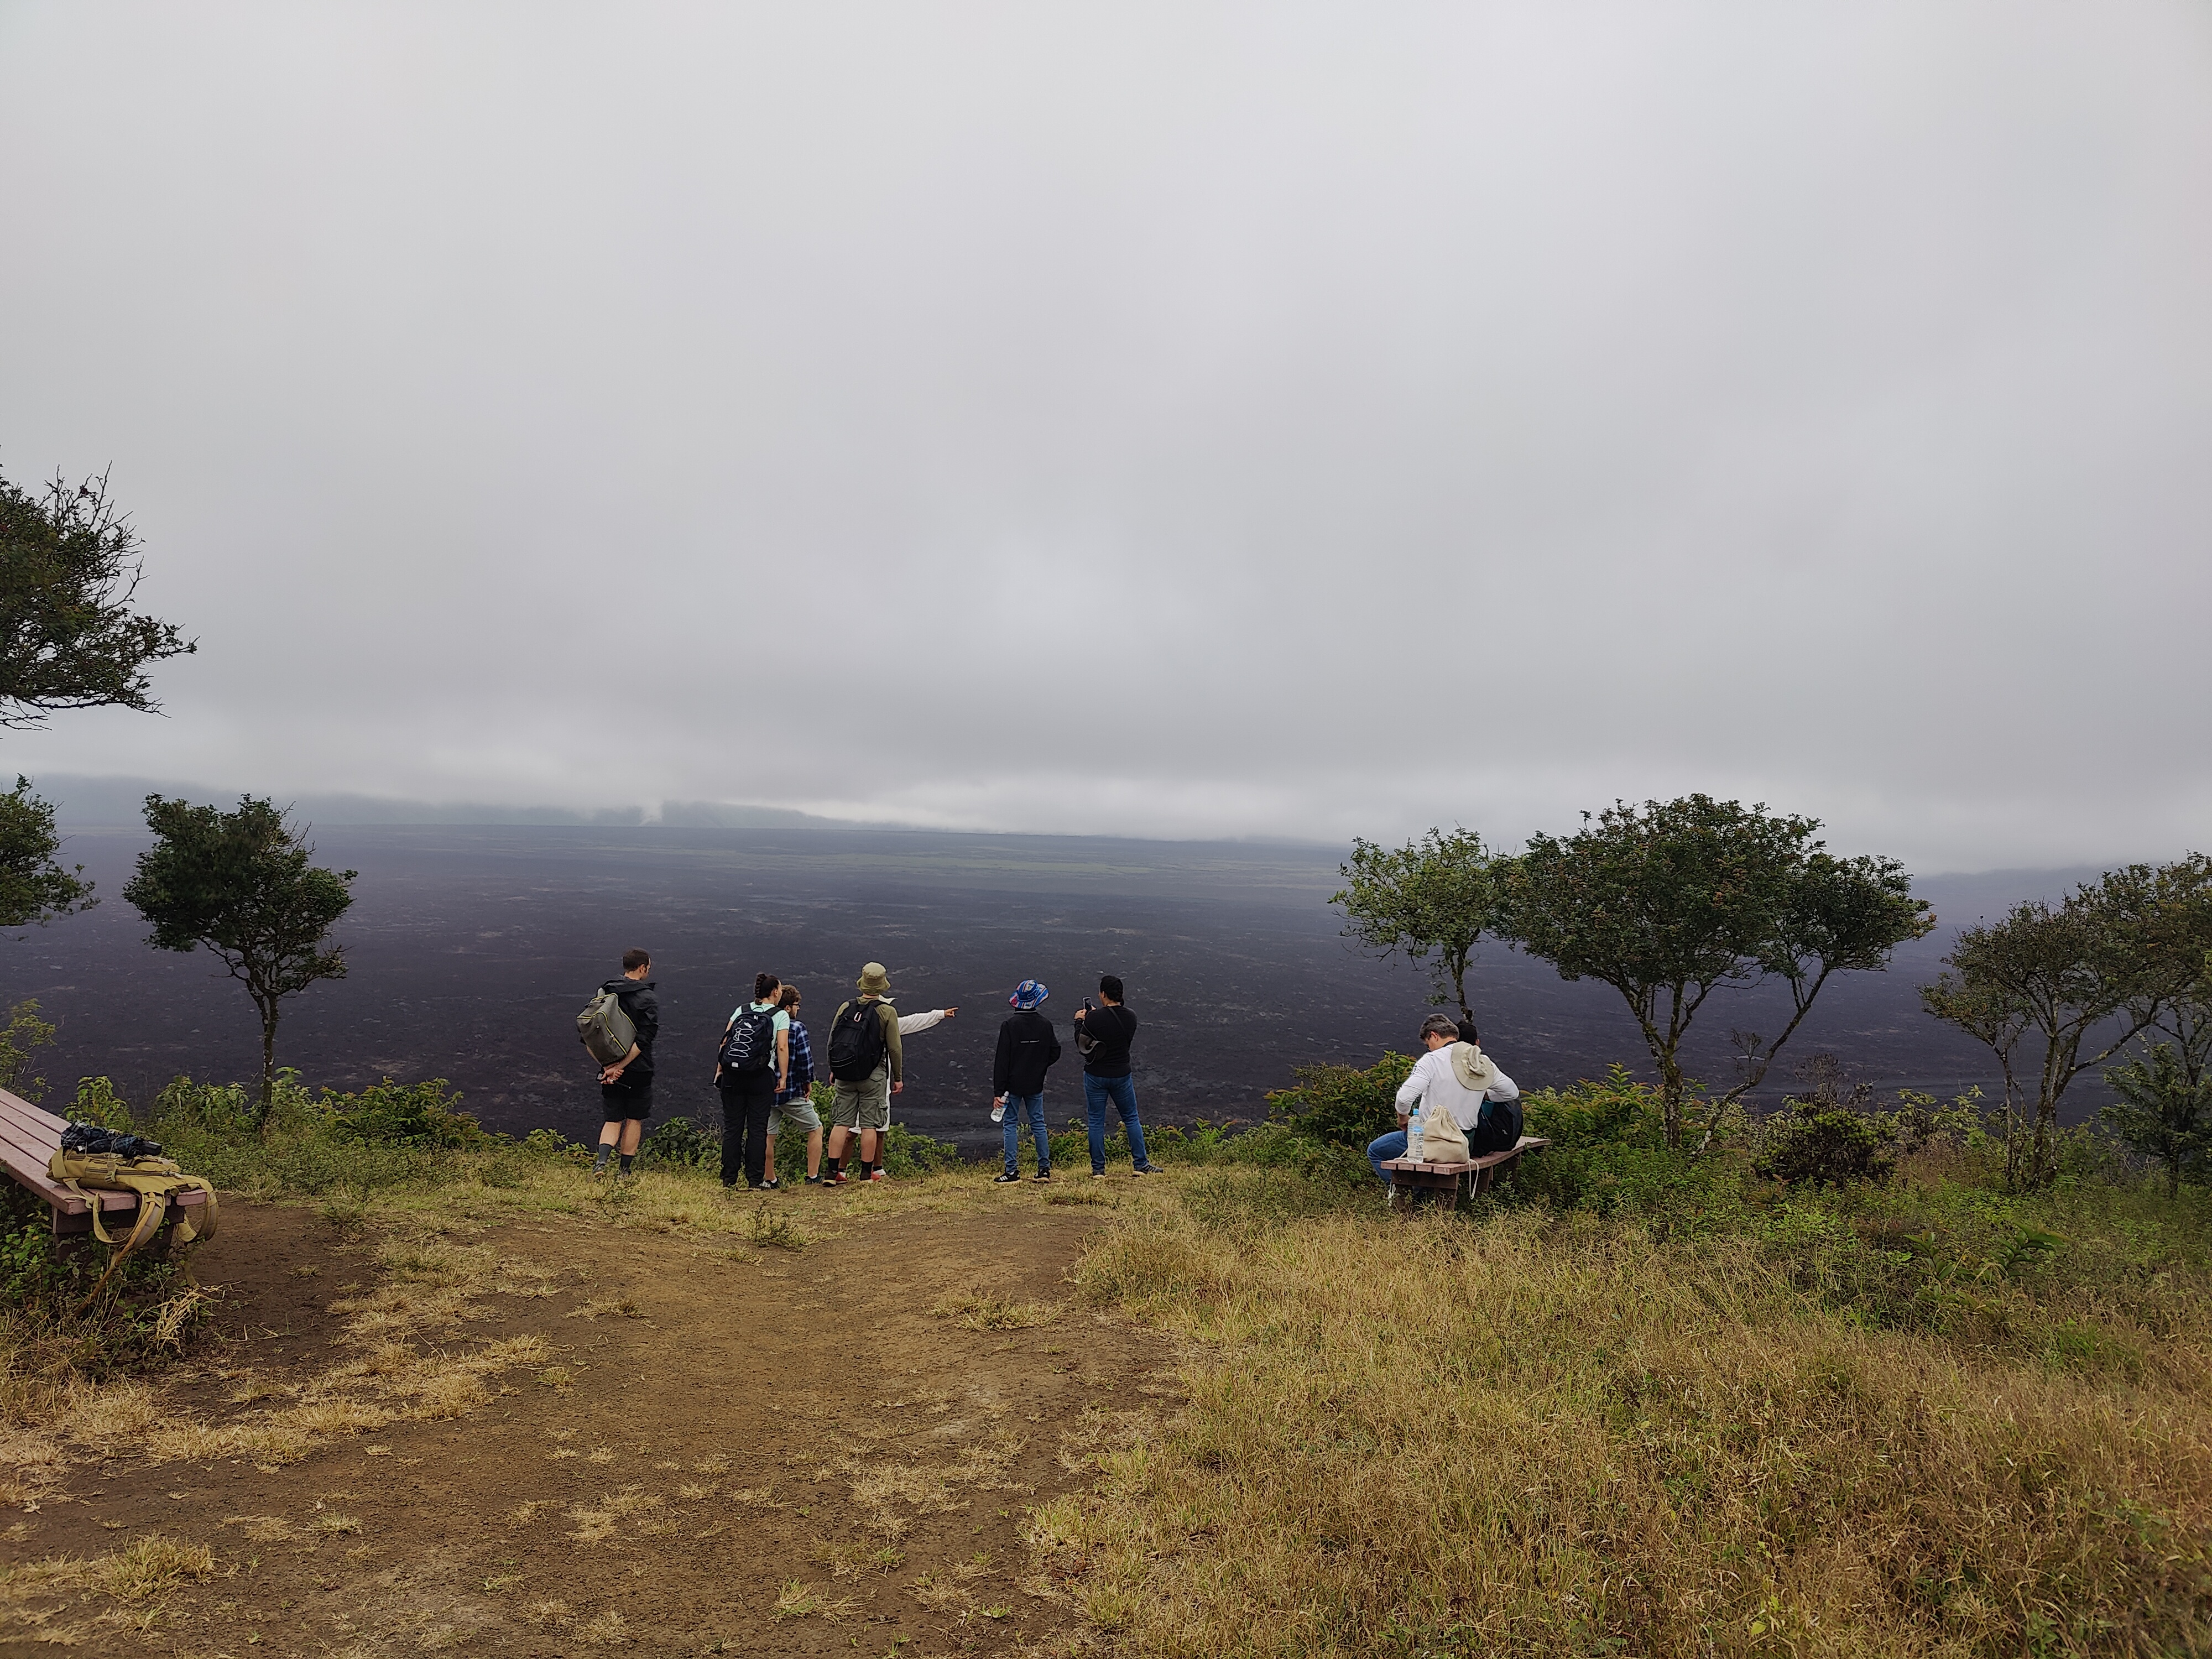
1001 1181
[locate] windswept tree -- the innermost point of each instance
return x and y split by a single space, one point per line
69 639
1671 901
2057 990
1428 901
244 884
69 635
34 888
2162 1113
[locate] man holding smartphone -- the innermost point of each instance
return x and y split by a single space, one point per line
1104 1034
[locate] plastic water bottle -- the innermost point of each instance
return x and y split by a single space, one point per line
1413 1134
998 1109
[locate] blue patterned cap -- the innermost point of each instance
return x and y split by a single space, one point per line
1028 994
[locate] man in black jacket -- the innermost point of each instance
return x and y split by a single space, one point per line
1027 1046
626 1086
1103 1036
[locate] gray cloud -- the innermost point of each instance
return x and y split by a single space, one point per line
1286 421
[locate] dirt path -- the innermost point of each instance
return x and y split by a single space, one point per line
662 1440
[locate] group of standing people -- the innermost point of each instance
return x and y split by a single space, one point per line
764 1074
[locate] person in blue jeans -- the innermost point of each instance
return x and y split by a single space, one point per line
1103 1036
1028 1047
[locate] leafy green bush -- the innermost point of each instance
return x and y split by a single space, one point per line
23 1032
421 1115
554 1147
1343 1104
681 1143
906 1153
218 1108
1827 1145
1609 1152
97 1102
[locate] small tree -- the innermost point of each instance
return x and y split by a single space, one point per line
1431 898
69 639
2100 961
33 887
1669 902
2161 1113
242 885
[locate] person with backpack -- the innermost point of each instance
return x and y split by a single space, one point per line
794 1102
626 1085
752 1063
868 1068
1028 1047
1454 1077
1102 1036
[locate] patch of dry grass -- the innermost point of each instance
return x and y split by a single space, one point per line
796 1599
1524 1435
988 1310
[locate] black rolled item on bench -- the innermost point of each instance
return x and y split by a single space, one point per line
1409 1176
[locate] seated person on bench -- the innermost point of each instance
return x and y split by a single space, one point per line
1458 1077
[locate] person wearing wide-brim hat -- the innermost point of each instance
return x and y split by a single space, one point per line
867 1067
1027 1046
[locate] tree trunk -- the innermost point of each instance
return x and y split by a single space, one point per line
268 1064
1670 1098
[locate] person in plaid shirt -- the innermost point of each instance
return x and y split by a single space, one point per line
793 1104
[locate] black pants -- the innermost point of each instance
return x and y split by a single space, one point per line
746 1098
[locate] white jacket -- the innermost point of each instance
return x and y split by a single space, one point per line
1439 1083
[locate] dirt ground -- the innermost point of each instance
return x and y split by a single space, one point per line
652 1437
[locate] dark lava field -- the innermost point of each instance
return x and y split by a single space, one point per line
473 948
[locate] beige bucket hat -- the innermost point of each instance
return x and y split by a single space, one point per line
1474 1069
873 981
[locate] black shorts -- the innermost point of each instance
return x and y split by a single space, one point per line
626 1100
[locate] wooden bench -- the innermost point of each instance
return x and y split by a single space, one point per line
1409 1176
29 1138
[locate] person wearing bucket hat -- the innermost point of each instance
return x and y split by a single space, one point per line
867 1067
1027 1046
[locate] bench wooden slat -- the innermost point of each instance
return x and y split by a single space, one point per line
29 1136
1410 1174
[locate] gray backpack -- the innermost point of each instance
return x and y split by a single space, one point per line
607 1031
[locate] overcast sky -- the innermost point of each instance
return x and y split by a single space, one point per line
1179 420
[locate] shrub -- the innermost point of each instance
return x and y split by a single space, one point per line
421 1115
1826 1144
681 1143
23 1032
1609 1152
97 1103
554 1147
217 1106
1342 1103
906 1153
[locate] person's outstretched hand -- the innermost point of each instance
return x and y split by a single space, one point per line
949 1013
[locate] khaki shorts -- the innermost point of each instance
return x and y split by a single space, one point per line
866 1104
798 1112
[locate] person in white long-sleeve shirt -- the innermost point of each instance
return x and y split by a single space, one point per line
1458 1077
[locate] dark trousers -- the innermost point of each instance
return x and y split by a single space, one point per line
746 1098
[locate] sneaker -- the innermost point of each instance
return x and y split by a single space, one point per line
1098 1175
1145 1169
814 1180
1041 1174
837 1179
878 1175
1001 1181
770 1186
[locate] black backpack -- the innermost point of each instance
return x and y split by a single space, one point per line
749 1045
1497 1128
856 1043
